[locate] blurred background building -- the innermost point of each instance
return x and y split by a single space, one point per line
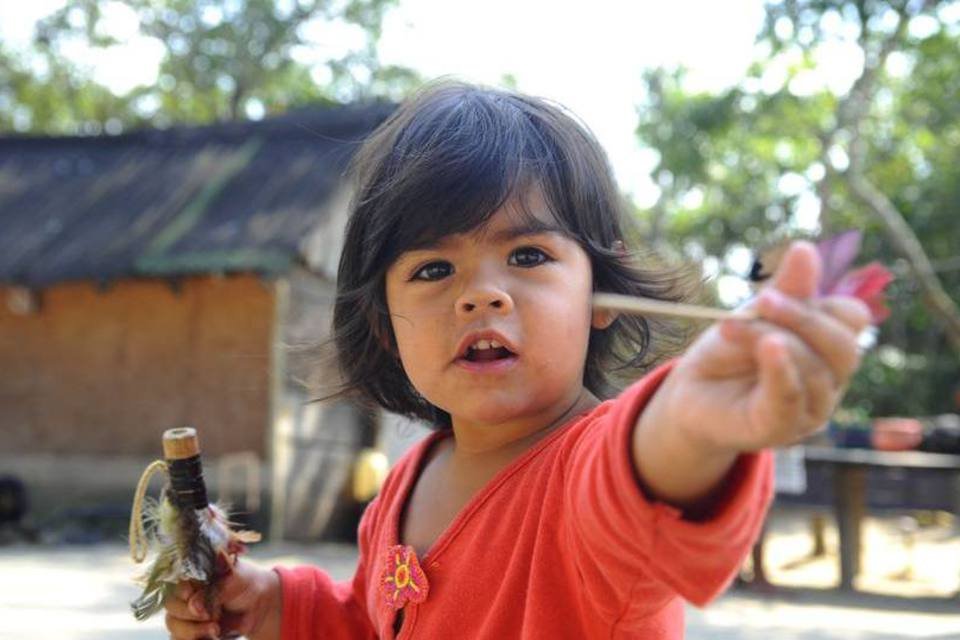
161 278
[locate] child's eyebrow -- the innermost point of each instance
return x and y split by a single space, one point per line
527 228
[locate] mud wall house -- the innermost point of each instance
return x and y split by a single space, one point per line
152 280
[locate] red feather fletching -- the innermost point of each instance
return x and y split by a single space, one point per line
868 284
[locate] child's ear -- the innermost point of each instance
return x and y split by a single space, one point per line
602 318
384 336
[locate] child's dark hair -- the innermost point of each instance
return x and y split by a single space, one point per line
444 163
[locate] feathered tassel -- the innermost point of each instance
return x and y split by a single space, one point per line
193 540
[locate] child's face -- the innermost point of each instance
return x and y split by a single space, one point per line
531 288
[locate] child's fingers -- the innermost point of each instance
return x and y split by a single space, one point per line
851 311
780 395
788 403
834 341
186 603
748 335
799 272
240 597
191 609
189 630
184 590
818 387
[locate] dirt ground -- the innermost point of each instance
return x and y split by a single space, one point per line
81 592
910 554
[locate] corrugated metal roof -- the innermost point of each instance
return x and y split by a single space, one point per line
221 198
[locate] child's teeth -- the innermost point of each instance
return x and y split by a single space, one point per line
495 345
482 344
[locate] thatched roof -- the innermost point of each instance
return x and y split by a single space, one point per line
222 198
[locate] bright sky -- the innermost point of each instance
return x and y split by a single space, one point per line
588 56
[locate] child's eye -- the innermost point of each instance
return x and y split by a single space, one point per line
433 271
528 257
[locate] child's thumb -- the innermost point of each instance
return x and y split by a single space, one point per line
799 272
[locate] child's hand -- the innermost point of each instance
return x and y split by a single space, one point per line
769 382
746 385
248 604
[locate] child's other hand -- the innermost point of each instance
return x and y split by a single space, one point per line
746 385
248 604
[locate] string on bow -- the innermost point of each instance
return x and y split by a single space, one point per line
139 545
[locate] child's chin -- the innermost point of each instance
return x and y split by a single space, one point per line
492 411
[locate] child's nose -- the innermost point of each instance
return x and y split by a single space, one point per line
477 300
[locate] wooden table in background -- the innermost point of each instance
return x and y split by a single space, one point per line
849 490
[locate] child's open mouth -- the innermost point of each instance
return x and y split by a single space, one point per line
487 355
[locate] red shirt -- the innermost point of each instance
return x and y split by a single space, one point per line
562 543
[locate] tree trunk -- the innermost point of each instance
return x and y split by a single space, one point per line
905 241
851 112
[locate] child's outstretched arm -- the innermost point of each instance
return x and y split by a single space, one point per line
746 385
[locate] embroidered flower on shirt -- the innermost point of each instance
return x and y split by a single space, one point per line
403 580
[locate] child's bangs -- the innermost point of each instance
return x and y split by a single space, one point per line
458 164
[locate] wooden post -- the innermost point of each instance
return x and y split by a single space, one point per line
278 429
818 527
850 485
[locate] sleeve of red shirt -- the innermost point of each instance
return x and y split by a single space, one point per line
635 555
314 606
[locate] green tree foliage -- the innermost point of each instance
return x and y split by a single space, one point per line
221 61
49 94
758 162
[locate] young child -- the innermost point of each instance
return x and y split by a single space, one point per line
483 222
